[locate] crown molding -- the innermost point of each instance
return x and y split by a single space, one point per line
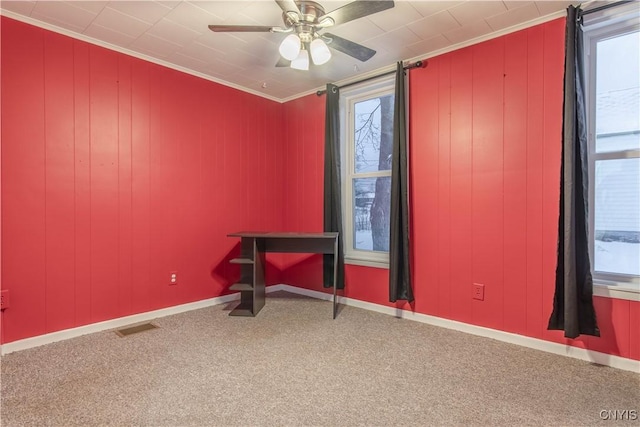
128 52
391 67
432 54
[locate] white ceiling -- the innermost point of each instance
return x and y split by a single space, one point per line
176 33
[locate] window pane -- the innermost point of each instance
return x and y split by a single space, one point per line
617 216
618 93
371 213
373 134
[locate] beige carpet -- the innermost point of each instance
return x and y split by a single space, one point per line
294 365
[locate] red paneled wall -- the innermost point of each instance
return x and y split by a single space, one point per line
115 172
303 155
485 129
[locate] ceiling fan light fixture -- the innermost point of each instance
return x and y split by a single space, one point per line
320 53
302 61
303 20
290 47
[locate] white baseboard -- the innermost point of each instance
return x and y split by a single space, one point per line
534 343
112 324
119 322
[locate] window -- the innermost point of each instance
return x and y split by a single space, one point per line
367 140
612 71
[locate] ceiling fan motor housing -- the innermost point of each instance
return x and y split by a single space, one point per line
305 32
304 22
305 19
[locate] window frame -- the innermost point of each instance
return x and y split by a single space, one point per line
601 26
348 98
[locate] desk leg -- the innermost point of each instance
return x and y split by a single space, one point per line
335 276
258 276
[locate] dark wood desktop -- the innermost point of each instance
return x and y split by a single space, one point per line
254 246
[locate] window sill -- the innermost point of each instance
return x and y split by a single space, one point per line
621 291
366 263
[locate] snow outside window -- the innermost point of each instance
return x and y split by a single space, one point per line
367 138
612 66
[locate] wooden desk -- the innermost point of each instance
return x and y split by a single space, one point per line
254 246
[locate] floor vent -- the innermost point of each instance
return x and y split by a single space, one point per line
135 329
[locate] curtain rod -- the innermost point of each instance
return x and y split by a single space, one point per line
417 64
606 6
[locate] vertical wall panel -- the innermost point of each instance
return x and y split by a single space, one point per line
318 111
23 179
190 245
443 240
82 183
299 221
274 160
287 114
260 158
535 128
172 202
310 174
59 181
252 119
613 320
267 180
461 184
104 183
212 179
191 241
290 155
424 185
487 199
515 183
634 330
267 157
1 286
222 187
553 100
235 187
162 188
140 187
227 177
125 240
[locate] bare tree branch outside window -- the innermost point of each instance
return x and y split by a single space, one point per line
373 138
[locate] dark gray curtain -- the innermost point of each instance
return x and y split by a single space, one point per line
399 265
573 309
332 198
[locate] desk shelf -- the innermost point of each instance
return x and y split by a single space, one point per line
243 310
251 284
241 287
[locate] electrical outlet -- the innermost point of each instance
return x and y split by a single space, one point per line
173 278
4 299
478 291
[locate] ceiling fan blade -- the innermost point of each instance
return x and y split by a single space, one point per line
283 62
348 47
355 10
288 6
241 28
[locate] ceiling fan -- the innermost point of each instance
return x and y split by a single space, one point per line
305 20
